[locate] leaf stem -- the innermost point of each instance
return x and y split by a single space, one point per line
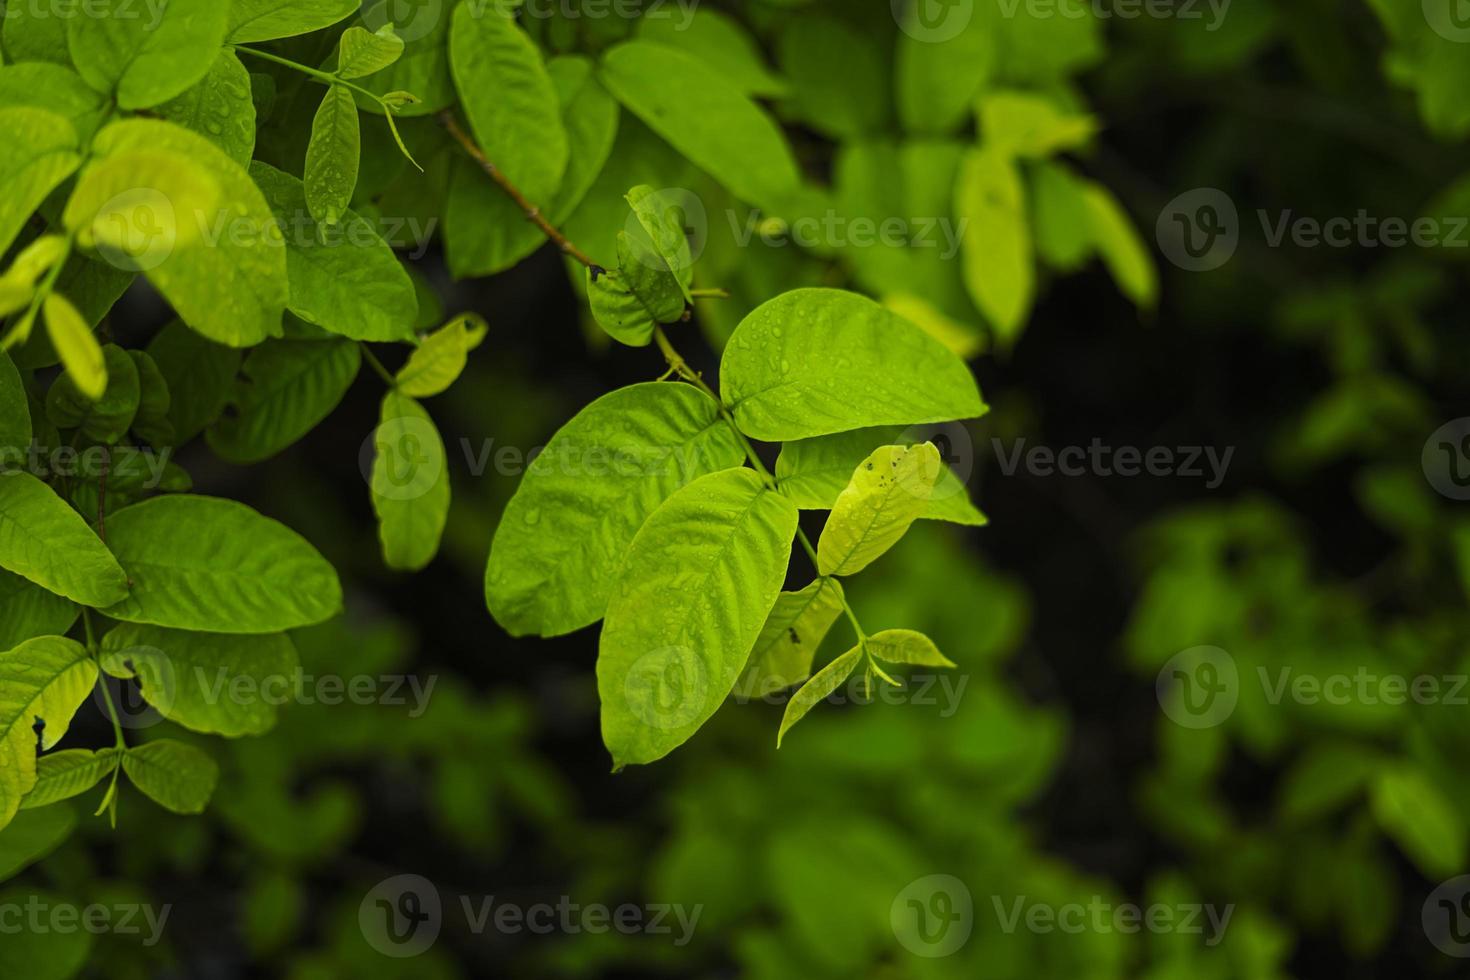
532 212
117 730
713 292
377 365
325 77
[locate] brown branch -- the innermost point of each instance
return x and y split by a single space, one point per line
533 213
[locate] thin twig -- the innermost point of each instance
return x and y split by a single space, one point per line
532 212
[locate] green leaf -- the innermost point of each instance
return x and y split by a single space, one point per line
364 53
219 107
143 58
1122 249
424 67
28 839
838 76
44 540
826 680
344 279
937 78
1064 236
265 20
42 682
816 361
486 232
661 238
34 33
705 118
151 423
15 412
888 492
629 303
410 483
1029 125
1416 814
28 611
694 590
199 373
287 388
720 42
439 361
509 99
332 156
63 775
208 682
999 269
907 647
53 87
1326 777
233 288
813 472
556 553
38 152
176 776
47 954
201 563
104 420
782 656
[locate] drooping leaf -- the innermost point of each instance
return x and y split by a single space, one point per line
1120 246
29 838
44 540
938 75
332 156
175 775
823 683
44 954
555 556
509 99
202 563
15 412
344 279
63 775
199 373
694 590
640 295
1424 824
42 682
234 287
998 264
38 152
813 472
888 492
287 388
721 42
145 58
1030 125
907 647
706 118
151 423
424 67
782 656
104 420
208 682
410 483
219 107
265 20
364 53
28 611
816 361
484 230
439 361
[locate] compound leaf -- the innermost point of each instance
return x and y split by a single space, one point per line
887 493
42 682
42 539
176 776
782 656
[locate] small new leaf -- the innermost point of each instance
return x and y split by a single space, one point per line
827 680
333 156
